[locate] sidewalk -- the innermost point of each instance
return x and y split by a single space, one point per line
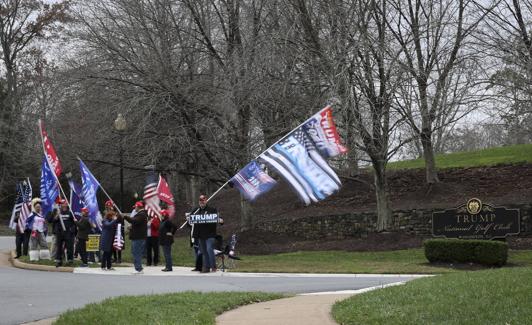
304 309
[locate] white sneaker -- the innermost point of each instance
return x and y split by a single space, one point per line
138 272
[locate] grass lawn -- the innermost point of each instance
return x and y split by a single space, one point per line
486 157
400 261
176 308
496 296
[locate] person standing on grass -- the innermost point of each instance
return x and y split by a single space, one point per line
137 234
205 233
152 241
107 237
36 223
166 239
64 236
84 228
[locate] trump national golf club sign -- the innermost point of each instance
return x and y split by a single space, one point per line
476 220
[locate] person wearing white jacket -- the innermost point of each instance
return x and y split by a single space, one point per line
37 224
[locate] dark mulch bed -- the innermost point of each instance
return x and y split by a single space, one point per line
498 185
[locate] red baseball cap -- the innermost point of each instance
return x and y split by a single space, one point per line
62 201
164 213
84 209
138 204
109 203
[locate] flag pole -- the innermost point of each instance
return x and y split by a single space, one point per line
104 191
55 176
321 110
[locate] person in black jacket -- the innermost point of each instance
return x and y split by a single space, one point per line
205 233
166 239
137 234
64 236
84 229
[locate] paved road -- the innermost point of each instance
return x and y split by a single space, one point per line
32 295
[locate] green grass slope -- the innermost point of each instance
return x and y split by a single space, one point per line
487 157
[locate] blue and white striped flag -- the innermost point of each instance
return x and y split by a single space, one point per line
297 161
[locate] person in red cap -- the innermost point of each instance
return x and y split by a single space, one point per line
205 234
84 228
64 236
166 239
137 234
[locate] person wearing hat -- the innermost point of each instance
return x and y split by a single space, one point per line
64 236
108 234
84 228
137 234
166 239
36 223
205 234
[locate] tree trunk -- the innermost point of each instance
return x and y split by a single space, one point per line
246 215
428 154
384 212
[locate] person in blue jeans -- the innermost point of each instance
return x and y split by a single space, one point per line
166 239
205 234
137 235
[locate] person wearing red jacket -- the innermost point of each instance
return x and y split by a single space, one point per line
152 241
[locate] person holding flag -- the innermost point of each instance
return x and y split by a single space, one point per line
107 236
137 234
64 237
205 233
84 228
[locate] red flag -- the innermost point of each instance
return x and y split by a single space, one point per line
163 190
49 151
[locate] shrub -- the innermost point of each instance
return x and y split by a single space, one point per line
484 252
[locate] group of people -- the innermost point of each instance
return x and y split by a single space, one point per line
147 235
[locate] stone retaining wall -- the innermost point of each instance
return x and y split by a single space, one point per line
358 225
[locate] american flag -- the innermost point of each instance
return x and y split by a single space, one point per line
118 242
22 204
151 197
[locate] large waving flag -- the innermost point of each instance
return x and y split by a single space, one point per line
252 181
165 195
290 158
49 188
49 151
322 130
151 197
89 190
76 198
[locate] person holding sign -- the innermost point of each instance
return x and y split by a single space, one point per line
205 219
84 228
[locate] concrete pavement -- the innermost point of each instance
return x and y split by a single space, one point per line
33 295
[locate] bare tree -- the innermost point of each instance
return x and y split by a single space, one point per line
433 35
21 23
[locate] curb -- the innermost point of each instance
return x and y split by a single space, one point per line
21 265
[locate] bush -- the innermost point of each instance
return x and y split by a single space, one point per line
484 252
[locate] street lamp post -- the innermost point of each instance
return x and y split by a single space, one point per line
120 125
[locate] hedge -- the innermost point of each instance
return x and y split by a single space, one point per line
484 252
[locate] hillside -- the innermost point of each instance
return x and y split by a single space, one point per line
499 184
